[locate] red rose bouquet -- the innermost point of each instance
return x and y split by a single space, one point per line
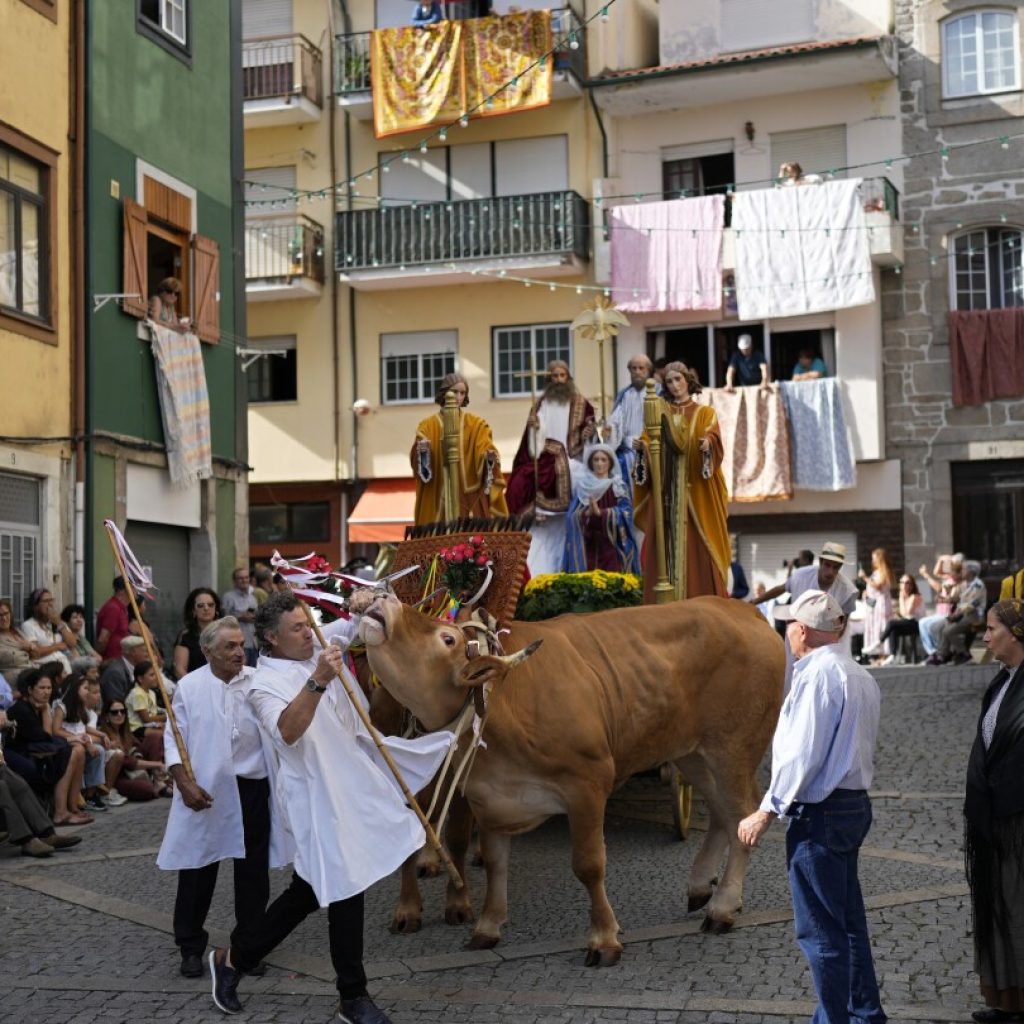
464 567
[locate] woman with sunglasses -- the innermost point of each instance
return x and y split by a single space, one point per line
202 606
907 621
139 779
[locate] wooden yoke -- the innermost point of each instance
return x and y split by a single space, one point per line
652 423
451 443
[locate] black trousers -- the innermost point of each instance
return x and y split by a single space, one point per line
897 629
249 945
252 882
24 815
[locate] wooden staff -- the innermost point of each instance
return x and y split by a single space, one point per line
450 442
186 761
652 423
432 838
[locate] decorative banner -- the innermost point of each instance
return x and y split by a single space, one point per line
500 50
135 573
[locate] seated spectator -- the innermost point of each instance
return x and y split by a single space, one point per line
117 679
971 599
114 759
15 649
74 616
906 622
427 13
263 585
112 623
25 819
793 174
71 720
202 606
145 719
944 581
52 761
51 638
163 307
137 779
809 366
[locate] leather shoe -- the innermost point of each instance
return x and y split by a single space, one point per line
191 965
36 848
257 972
60 841
360 1011
993 1015
225 982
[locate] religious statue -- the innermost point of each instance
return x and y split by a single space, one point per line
476 466
693 491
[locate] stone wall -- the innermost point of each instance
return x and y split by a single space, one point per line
973 187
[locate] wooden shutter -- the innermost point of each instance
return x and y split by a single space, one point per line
206 287
134 282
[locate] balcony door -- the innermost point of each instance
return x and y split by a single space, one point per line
273 239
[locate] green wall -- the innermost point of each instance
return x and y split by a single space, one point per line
102 472
225 533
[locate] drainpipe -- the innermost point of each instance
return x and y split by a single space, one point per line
604 173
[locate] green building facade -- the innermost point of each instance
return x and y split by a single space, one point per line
162 199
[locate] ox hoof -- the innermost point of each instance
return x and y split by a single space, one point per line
406 924
697 901
602 957
715 927
458 915
483 942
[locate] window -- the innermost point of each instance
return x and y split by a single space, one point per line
307 521
273 377
988 269
980 54
20 503
520 351
24 235
412 365
166 22
816 150
988 510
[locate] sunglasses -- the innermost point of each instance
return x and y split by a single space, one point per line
204 604
116 711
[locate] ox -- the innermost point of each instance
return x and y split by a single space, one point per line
606 695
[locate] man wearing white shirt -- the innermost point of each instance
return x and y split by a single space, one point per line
822 767
326 770
225 813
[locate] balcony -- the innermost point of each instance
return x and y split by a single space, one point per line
424 244
354 89
282 81
284 258
881 201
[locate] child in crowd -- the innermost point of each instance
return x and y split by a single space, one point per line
145 719
71 720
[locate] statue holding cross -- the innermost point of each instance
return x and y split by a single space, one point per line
561 421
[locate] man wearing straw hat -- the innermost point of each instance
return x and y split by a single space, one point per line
325 770
822 767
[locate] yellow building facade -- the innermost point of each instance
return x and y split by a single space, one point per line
37 484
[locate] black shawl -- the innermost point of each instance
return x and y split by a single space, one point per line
993 822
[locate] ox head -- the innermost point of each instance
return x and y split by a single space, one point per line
428 665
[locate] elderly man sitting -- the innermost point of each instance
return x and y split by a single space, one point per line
971 599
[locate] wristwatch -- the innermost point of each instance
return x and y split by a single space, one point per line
313 688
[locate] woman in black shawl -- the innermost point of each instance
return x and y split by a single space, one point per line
994 823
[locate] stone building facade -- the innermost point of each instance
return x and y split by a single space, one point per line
963 207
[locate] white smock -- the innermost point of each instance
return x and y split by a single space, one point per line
338 799
214 722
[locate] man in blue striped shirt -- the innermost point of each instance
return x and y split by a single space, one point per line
822 766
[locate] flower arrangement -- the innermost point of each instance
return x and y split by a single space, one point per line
553 594
463 567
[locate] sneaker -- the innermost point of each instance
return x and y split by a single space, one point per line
36 848
225 982
59 841
95 803
191 965
360 1011
890 660
114 799
934 659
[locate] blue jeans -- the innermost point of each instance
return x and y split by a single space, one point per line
931 632
822 844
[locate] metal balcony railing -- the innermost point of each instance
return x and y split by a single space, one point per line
880 194
281 248
282 66
352 52
542 224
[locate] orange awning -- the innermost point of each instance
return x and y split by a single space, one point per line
383 512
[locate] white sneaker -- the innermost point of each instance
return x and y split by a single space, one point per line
891 660
114 799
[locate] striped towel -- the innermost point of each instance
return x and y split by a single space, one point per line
184 404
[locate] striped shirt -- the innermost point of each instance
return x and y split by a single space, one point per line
825 739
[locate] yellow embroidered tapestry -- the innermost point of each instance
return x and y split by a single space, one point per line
427 77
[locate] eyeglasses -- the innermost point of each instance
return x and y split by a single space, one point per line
204 604
116 711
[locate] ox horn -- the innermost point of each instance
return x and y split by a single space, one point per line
511 660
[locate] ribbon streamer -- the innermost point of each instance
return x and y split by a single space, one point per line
133 570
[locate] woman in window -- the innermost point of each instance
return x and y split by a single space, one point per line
163 307
202 606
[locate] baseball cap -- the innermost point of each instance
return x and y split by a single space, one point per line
745 341
814 609
833 552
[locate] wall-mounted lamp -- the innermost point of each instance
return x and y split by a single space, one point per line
361 407
749 131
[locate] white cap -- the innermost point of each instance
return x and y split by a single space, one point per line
745 341
814 609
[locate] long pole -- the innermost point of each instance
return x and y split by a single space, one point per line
451 443
410 797
186 761
652 423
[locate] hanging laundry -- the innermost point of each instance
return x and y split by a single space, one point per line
821 444
986 353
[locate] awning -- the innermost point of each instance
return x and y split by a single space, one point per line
383 512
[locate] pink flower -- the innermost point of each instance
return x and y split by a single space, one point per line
481 559
444 553
458 556
476 540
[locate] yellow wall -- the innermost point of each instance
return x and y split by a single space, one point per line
34 101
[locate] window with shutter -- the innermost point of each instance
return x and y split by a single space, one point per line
206 262
816 150
136 234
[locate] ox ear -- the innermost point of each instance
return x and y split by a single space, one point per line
492 668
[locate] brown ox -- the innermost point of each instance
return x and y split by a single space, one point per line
697 683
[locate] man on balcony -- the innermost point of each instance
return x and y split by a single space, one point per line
748 364
427 13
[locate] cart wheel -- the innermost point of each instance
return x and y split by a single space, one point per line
682 804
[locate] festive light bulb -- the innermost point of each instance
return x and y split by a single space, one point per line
405 157
888 165
464 121
1004 141
423 146
443 134
604 14
386 168
944 152
607 293
574 43
551 287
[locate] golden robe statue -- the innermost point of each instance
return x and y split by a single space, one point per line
481 484
708 550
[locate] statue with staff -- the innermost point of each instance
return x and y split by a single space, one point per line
455 461
680 494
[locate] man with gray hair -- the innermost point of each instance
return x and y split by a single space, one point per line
118 677
225 812
626 423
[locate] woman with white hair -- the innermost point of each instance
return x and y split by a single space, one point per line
971 599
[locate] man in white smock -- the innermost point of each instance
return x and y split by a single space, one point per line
225 813
341 806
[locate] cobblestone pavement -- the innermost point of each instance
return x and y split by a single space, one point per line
86 936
